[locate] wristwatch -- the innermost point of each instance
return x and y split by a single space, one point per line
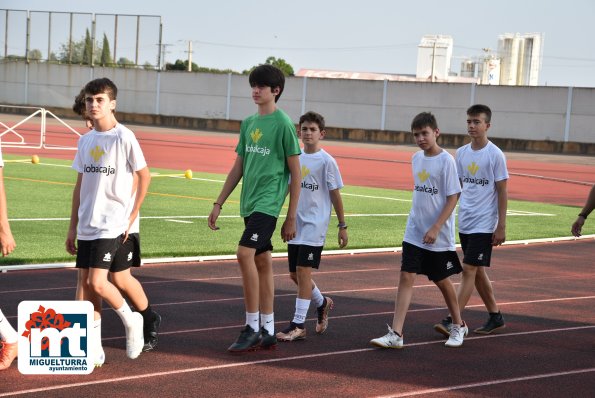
583 215
342 225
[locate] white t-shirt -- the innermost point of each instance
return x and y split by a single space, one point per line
320 174
107 160
435 178
479 171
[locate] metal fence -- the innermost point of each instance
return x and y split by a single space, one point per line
82 38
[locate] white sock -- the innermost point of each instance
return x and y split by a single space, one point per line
125 314
252 320
268 322
7 332
301 310
97 329
317 297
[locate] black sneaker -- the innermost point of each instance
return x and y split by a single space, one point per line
150 332
249 340
495 322
444 327
267 342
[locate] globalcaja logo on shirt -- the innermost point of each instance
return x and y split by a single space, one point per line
96 153
423 176
474 168
55 336
256 135
306 185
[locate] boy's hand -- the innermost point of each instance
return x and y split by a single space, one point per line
213 217
7 243
70 242
342 234
288 229
577 226
431 235
499 236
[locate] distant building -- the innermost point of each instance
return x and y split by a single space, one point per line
434 54
520 58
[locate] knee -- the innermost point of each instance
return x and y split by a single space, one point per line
293 277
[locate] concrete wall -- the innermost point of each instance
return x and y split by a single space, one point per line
558 114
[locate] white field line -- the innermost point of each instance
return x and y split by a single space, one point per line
200 259
309 357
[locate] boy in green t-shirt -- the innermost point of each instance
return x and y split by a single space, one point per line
267 153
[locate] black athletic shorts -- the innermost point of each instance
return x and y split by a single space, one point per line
259 231
303 256
435 265
97 253
128 254
477 249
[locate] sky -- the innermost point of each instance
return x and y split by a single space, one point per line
344 35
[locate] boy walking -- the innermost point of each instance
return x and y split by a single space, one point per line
127 256
429 241
267 154
481 166
320 187
104 206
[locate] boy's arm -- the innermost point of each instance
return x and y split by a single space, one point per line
232 180
288 228
143 177
449 206
577 226
338 206
74 216
7 242
499 235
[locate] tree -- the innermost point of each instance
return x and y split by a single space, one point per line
125 62
87 49
106 56
35 55
279 63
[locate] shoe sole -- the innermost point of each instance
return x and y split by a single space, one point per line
441 329
484 332
241 351
453 346
398 347
288 340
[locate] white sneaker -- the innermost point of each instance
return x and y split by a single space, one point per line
99 357
390 340
134 336
457 334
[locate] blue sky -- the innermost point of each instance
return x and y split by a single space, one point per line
372 36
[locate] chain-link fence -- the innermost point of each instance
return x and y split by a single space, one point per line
82 38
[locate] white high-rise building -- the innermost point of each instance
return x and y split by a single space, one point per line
520 58
434 54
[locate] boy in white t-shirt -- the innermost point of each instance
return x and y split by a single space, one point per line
429 242
104 208
320 187
481 166
8 336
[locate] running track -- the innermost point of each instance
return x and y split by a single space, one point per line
546 291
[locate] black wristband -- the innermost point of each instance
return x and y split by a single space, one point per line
583 215
342 225
218 204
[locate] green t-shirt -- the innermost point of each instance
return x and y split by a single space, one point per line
265 143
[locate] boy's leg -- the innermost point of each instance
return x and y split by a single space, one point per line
458 330
296 329
484 288
133 321
8 343
468 281
83 292
394 337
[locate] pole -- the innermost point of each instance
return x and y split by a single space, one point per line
189 55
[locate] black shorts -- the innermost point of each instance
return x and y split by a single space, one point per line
127 255
110 254
97 253
477 249
259 231
435 265
303 256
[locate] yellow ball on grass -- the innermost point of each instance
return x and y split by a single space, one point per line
188 174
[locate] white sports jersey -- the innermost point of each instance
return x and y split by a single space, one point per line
107 161
320 174
478 172
435 178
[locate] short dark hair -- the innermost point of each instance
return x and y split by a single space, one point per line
424 119
102 85
478 109
79 104
269 76
313 117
